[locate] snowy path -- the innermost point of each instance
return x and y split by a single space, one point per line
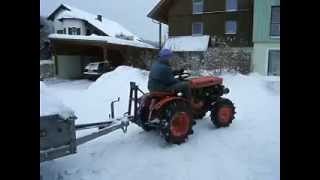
247 150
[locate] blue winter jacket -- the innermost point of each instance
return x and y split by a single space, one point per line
161 77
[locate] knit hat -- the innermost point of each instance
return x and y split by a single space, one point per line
165 55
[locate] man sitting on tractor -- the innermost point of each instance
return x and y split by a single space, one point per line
161 78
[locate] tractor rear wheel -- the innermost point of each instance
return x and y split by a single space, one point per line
176 125
222 113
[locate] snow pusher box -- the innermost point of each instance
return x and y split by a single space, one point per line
58 133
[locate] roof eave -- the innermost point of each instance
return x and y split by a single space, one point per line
155 14
51 16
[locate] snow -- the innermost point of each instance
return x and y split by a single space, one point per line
43 62
50 105
247 150
187 43
109 27
104 39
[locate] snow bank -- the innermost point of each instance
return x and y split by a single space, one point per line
50 105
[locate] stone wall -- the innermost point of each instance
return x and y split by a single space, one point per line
142 58
219 59
47 69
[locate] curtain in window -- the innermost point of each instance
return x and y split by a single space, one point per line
231 4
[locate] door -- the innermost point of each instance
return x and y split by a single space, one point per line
274 63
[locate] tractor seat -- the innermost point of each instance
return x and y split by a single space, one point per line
156 94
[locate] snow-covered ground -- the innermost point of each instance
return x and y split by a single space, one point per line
247 150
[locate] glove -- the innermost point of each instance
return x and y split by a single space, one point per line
177 72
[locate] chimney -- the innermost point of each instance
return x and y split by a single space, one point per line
99 18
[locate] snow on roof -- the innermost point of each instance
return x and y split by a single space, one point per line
107 26
187 43
103 39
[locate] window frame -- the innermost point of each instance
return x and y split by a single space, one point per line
271 23
197 3
197 34
74 31
231 10
60 31
236 27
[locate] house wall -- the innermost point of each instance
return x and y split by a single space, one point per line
180 19
260 56
263 42
66 23
261 21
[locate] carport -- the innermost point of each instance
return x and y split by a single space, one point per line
72 53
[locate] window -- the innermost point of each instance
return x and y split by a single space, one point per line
274 63
231 5
197 28
231 27
275 21
197 6
74 31
61 31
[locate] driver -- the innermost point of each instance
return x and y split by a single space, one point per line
161 77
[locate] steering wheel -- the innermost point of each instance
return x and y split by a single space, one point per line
182 76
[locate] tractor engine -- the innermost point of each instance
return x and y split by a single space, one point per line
207 89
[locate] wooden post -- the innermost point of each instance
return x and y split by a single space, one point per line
105 53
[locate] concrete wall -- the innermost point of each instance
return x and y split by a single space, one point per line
260 56
68 67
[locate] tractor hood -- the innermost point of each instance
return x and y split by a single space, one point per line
205 81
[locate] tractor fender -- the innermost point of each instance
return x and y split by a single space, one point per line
164 101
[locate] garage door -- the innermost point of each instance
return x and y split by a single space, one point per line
69 67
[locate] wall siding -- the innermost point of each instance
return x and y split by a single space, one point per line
260 56
180 20
261 20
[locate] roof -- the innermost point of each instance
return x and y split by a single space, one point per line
102 39
187 43
160 11
109 27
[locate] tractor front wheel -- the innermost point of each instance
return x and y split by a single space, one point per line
177 122
222 113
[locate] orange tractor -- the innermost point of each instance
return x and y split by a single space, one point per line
174 115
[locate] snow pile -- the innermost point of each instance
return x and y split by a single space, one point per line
93 104
50 105
247 150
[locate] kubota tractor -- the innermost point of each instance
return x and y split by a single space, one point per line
173 115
